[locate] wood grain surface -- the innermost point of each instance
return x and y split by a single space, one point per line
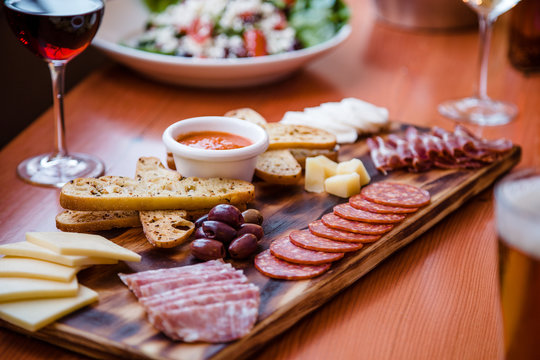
435 298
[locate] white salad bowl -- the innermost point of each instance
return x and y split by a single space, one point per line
231 164
124 19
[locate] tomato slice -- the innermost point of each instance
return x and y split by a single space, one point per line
200 31
255 42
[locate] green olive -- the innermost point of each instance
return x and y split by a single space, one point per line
253 216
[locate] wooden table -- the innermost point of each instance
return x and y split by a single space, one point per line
436 299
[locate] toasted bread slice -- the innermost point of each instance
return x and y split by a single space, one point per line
278 167
247 114
166 228
301 154
284 136
167 192
90 221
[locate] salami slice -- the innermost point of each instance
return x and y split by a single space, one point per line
284 249
307 240
339 223
395 194
346 211
275 268
358 202
318 228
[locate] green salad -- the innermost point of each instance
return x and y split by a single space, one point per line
239 28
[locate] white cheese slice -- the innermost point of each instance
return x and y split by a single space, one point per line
315 175
30 250
357 166
32 315
32 268
67 243
13 288
343 185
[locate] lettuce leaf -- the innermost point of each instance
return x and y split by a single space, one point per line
158 6
316 21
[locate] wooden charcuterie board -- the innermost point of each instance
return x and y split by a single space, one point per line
116 326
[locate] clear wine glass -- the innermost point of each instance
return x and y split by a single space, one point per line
56 31
480 109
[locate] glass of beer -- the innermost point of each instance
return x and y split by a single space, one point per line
517 212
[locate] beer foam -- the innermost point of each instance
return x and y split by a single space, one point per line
517 212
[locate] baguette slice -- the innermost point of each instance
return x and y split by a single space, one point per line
90 221
164 193
247 114
278 167
162 228
284 136
166 228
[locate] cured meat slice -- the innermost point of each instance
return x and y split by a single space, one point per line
396 194
358 202
158 314
339 223
214 323
210 301
145 277
418 151
346 211
283 249
189 291
158 287
306 240
318 228
275 268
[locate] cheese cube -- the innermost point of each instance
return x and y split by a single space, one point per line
32 315
29 250
32 268
343 185
354 165
315 175
66 243
330 167
13 288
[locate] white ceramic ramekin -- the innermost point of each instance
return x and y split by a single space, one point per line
232 164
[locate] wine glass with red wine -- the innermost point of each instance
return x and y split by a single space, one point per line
56 31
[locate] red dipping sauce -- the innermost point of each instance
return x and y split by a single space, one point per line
213 140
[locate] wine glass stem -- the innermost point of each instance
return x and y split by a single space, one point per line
485 27
57 69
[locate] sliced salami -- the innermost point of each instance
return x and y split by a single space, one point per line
358 202
275 268
346 211
339 223
396 194
307 240
318 228
284 249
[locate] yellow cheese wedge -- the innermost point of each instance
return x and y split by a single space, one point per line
330 167
32 268
32 315
354 165
13 288
67 243
343 185
315 175
29 250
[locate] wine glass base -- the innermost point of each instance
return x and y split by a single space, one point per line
54 171
484 112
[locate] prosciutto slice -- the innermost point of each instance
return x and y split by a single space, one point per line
416 151
210 302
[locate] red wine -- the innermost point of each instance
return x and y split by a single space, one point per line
54 29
